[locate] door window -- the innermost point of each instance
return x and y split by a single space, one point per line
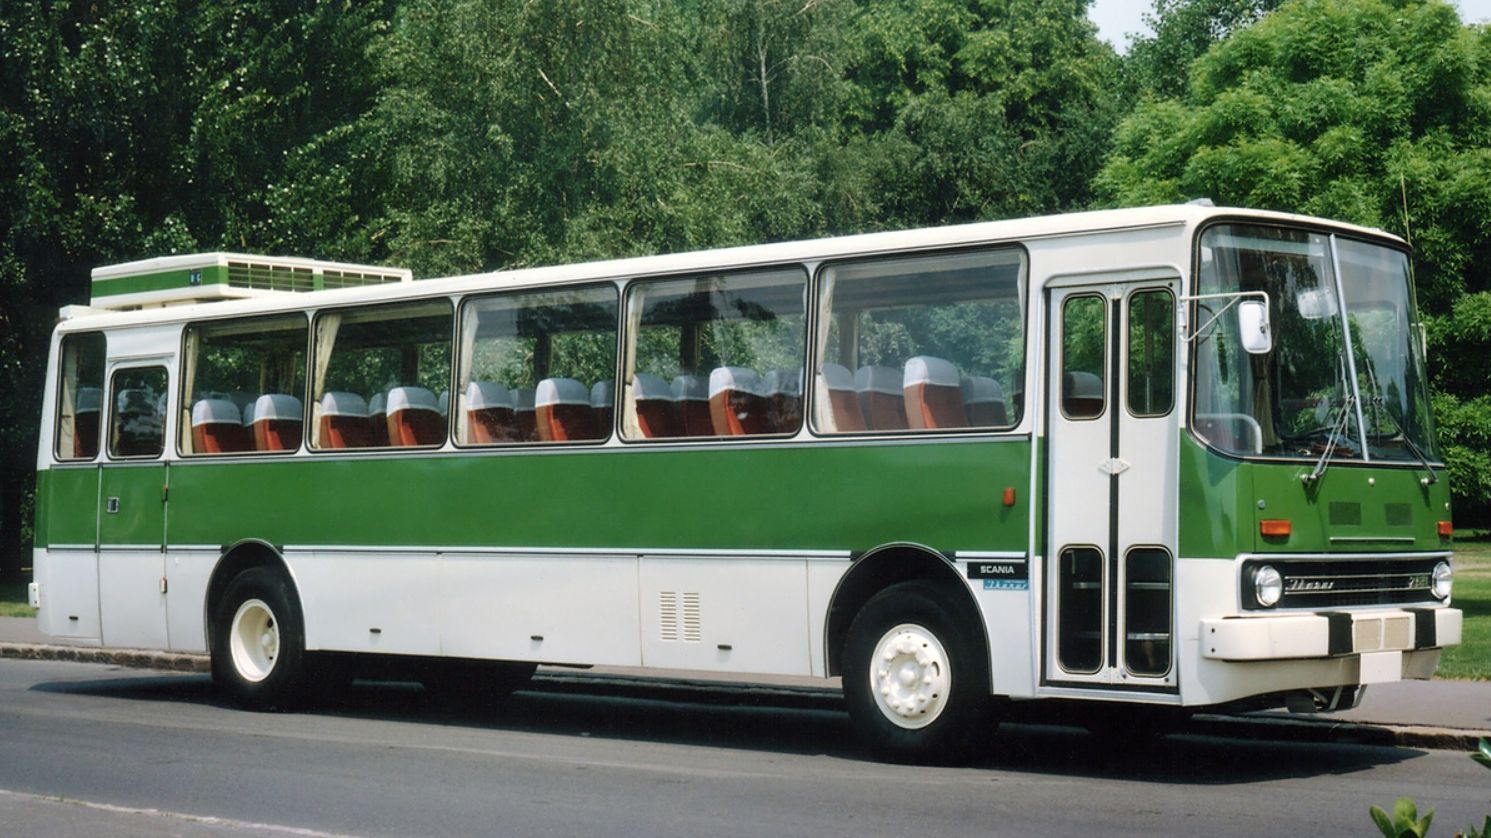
1084 356
138 424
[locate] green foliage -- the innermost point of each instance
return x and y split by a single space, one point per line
1404 822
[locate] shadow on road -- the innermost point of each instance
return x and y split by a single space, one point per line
724 718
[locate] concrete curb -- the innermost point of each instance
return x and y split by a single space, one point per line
1260 726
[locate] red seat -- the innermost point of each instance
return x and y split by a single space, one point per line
562 411
1081 395
838 392
602 398
378 421
656 414
933 393
344 421
277 422
414 417
691 400
737 406
217 427
527 417
490 417
85 424
880 398
983 401
783 389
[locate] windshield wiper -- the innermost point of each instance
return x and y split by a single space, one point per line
1387 406
1348 402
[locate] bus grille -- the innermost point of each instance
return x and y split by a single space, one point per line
1338 583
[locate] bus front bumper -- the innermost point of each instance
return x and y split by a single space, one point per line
1379 635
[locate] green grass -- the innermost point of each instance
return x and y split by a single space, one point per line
13 601
1472 658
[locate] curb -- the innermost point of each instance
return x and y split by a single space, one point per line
1261 727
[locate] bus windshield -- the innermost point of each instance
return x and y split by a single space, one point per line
1355 386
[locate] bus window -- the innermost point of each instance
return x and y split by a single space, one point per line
137 427
537 367
80 399
1084 354
718 355
923 343
231 367
381 376
1151 385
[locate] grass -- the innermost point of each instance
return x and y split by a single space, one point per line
1472 658
13 602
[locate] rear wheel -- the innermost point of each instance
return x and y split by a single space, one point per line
258 641
916 678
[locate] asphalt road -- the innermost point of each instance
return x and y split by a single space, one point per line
87 749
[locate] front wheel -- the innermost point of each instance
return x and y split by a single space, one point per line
915 675
258 641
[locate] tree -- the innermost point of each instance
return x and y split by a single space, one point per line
1181 32
1368 111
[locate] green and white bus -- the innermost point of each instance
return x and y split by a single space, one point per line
1173 457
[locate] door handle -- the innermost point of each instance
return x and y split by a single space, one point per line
1114 466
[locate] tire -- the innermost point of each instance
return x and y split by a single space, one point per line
258 641
916 678
474 684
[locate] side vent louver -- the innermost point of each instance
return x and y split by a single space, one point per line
678 616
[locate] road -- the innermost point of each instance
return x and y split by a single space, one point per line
88 749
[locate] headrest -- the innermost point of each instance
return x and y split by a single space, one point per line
410 398
650 387
690 388
88 400
215 411
878 380
980 389
482 395
135 401
738 379
248 413
836 377
552 391
783 383
377 405
1081 385
277 407
935 372
442 402
523 399
603 394
338 403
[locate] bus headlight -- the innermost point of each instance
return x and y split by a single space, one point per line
1268 586
1442 581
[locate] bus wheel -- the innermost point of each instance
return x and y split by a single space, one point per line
258 641
915 680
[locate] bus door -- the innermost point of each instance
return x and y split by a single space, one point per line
1111 460
132 506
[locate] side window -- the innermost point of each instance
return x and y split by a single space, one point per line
80 396
1151 385
1084 356
715 356
242 382
537 367
380 376
137 425
922 343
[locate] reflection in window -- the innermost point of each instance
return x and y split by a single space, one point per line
80 400
381 376
1084 356
242 382
1151 385
716 355
138 426
537 367
922 343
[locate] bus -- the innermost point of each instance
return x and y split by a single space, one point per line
1164 458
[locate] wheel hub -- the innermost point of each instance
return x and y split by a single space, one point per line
254 640
910 676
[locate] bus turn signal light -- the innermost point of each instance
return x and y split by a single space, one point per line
1275 527
1009 496
1446 529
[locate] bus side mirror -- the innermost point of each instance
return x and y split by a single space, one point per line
1252 321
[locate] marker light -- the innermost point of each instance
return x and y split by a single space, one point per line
1268 586
1275 527
1446 529
1443 580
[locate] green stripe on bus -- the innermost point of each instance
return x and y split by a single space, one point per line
163 281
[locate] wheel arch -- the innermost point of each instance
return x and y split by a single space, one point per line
236 558
880 568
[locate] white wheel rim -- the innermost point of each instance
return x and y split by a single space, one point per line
254 640
910 677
